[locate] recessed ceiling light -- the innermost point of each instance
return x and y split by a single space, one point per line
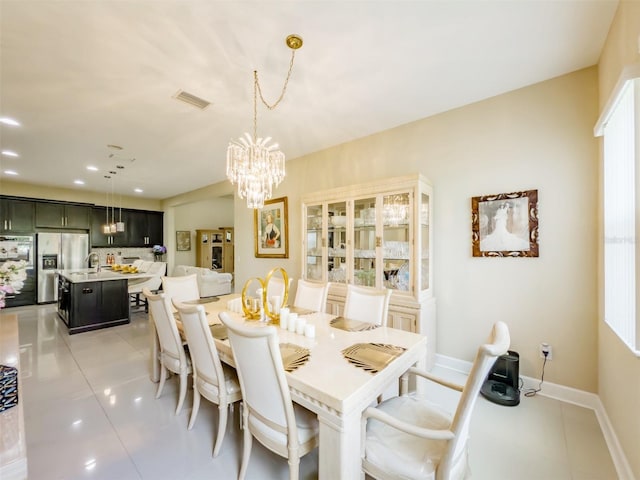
9 153
92 168
138 190
10 172
9 121
79 182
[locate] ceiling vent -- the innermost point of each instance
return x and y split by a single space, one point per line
191 99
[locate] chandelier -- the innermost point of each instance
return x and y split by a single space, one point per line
253 164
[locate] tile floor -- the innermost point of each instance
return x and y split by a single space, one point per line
91 412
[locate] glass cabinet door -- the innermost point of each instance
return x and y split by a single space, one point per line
313 244
364 242
425 280
396 244
337 242
376 234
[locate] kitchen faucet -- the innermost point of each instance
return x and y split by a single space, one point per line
89 258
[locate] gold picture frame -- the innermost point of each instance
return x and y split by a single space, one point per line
183 240
505 225
271 229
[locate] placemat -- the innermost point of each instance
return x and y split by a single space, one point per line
219 331
293 356
372 357
351 325
201 301
301 311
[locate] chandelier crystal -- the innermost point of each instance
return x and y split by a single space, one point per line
255 166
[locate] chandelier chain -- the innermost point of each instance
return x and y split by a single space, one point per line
284 88
258 91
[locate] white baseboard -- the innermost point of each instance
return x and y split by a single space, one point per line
564 394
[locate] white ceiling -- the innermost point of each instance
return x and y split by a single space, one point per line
79 75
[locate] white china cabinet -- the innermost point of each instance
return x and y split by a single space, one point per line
376 234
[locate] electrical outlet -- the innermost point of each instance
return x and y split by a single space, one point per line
546 348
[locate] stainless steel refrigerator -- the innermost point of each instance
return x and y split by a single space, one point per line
58 251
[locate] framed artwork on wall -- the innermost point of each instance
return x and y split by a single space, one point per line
271 229
183 240
505 225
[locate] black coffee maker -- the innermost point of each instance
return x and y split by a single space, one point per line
501 385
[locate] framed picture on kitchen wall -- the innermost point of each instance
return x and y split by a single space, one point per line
183 240
505 225
271 229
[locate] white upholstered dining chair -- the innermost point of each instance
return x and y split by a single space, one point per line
269 415
157 269
214 381
367 304
173 357
181 289
311 295
408 437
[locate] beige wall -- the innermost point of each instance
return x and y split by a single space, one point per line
538 137
618 368
74 195
210 213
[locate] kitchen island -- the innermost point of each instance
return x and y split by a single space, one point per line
89 300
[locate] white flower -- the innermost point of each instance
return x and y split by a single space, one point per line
12 277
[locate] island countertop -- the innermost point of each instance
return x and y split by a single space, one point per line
82 275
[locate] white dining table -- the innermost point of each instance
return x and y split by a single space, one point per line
328 385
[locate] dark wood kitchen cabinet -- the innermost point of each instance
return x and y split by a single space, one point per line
60 215
98 237
146 228
142 229
16 216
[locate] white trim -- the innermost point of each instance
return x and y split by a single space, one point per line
564 394
628 73
634 351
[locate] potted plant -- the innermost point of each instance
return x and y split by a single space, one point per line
158 252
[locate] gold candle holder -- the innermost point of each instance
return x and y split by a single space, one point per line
251 305
275 316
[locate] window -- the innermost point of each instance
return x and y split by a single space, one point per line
620 127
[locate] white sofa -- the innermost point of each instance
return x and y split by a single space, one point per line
210 283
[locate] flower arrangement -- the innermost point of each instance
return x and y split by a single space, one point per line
12 277
158 251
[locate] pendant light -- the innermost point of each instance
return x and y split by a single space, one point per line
106 228
111 226
120 223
